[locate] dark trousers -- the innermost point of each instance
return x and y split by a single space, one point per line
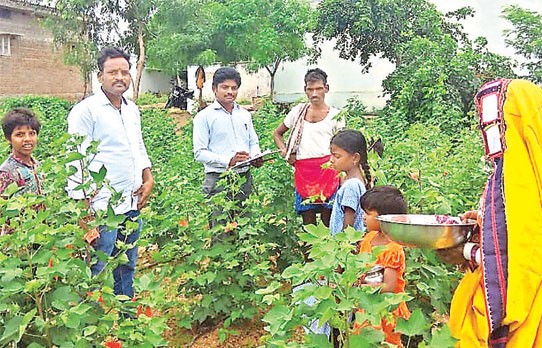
210 188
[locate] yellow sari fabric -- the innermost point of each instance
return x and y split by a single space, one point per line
522 175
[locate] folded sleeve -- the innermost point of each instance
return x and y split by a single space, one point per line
352 194
392 257
291 116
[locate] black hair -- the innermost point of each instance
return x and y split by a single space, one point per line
18 117
316 75
226 73
111 52
384 200
352 141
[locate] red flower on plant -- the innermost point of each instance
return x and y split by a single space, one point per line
100 298
231 226
183 223
113 344
147 311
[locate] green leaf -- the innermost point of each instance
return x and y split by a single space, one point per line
72 321
99 176
271 288
318 341
10 190
323 292
367 338
16 326
113 220
416 324
294 271
442 337
35 345
63 298
89 330
11 274
74 156
277 317
144 282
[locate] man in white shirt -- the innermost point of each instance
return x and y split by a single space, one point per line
311 126
224 135
115 122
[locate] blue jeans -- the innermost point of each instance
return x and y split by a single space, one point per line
123 274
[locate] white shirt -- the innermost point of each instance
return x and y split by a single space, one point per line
218 135
316 135
121 149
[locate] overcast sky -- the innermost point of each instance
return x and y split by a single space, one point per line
487 21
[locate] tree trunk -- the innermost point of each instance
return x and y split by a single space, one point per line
272 71
140 60
86 84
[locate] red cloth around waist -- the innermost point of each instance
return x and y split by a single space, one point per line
312 180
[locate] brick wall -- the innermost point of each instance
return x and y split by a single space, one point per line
34 66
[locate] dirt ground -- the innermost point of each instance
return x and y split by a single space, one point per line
181 117
247 335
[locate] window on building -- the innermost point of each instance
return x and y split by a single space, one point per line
5 45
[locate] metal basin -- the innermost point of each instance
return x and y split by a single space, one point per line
425 231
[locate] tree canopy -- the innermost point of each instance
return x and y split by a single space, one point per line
266 33
375 27
526 38
80 27
437 67
261 33
187 32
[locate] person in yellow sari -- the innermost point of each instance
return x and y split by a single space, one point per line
499 302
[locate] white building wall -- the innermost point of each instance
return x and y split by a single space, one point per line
345 79
252 84
152 81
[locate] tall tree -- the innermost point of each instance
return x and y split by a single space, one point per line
186 32
526 38
437 67
363 29
260 33
82 27
265 33
138 14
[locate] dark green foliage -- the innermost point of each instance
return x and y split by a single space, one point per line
524 37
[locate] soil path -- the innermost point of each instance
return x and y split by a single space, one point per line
181 117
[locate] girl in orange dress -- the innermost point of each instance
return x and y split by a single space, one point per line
390 263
